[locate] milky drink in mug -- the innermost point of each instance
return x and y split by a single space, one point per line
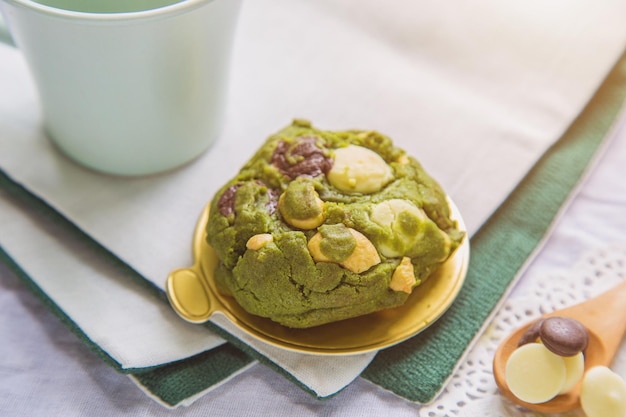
128 87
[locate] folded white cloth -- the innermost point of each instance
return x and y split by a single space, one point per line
133 327
476 91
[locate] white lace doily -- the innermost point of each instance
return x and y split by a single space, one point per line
472 390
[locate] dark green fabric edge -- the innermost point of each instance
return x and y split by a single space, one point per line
223 360
263 359
6 259
5 36
159 380
418 369
174 383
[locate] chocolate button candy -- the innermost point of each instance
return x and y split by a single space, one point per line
563 336
531 334
303 157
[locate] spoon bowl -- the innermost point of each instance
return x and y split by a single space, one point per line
604 317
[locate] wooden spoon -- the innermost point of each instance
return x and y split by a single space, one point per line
605 319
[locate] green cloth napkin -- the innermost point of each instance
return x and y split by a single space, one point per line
417 369
171 382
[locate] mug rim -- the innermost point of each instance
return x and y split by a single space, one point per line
170 9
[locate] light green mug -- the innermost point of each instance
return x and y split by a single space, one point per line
128 87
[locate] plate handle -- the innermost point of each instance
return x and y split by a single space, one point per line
190 296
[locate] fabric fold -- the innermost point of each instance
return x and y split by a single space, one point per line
477 94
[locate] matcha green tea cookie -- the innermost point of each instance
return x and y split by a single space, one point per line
321 226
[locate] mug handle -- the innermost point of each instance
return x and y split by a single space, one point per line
5 36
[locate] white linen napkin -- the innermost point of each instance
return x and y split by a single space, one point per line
136 329
476 91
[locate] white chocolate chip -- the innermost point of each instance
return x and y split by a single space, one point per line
403 278
386 214
256 242
403 160
359 170
534 374
362 258
303 223
315 250
306 224
603 393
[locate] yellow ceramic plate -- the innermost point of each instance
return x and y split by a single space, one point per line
194 296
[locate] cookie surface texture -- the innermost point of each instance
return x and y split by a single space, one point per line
314 226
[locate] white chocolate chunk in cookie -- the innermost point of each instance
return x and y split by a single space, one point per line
403 278
256 242
363 257
359 170
301 206
395 215
304 224
403 159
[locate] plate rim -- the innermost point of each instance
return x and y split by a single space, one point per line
459 260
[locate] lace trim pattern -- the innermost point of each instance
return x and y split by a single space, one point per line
472 392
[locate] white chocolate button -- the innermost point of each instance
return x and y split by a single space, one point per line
603 393
534 374
387 214
362 258
574 371
301 206
257 242
359 170
403 278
